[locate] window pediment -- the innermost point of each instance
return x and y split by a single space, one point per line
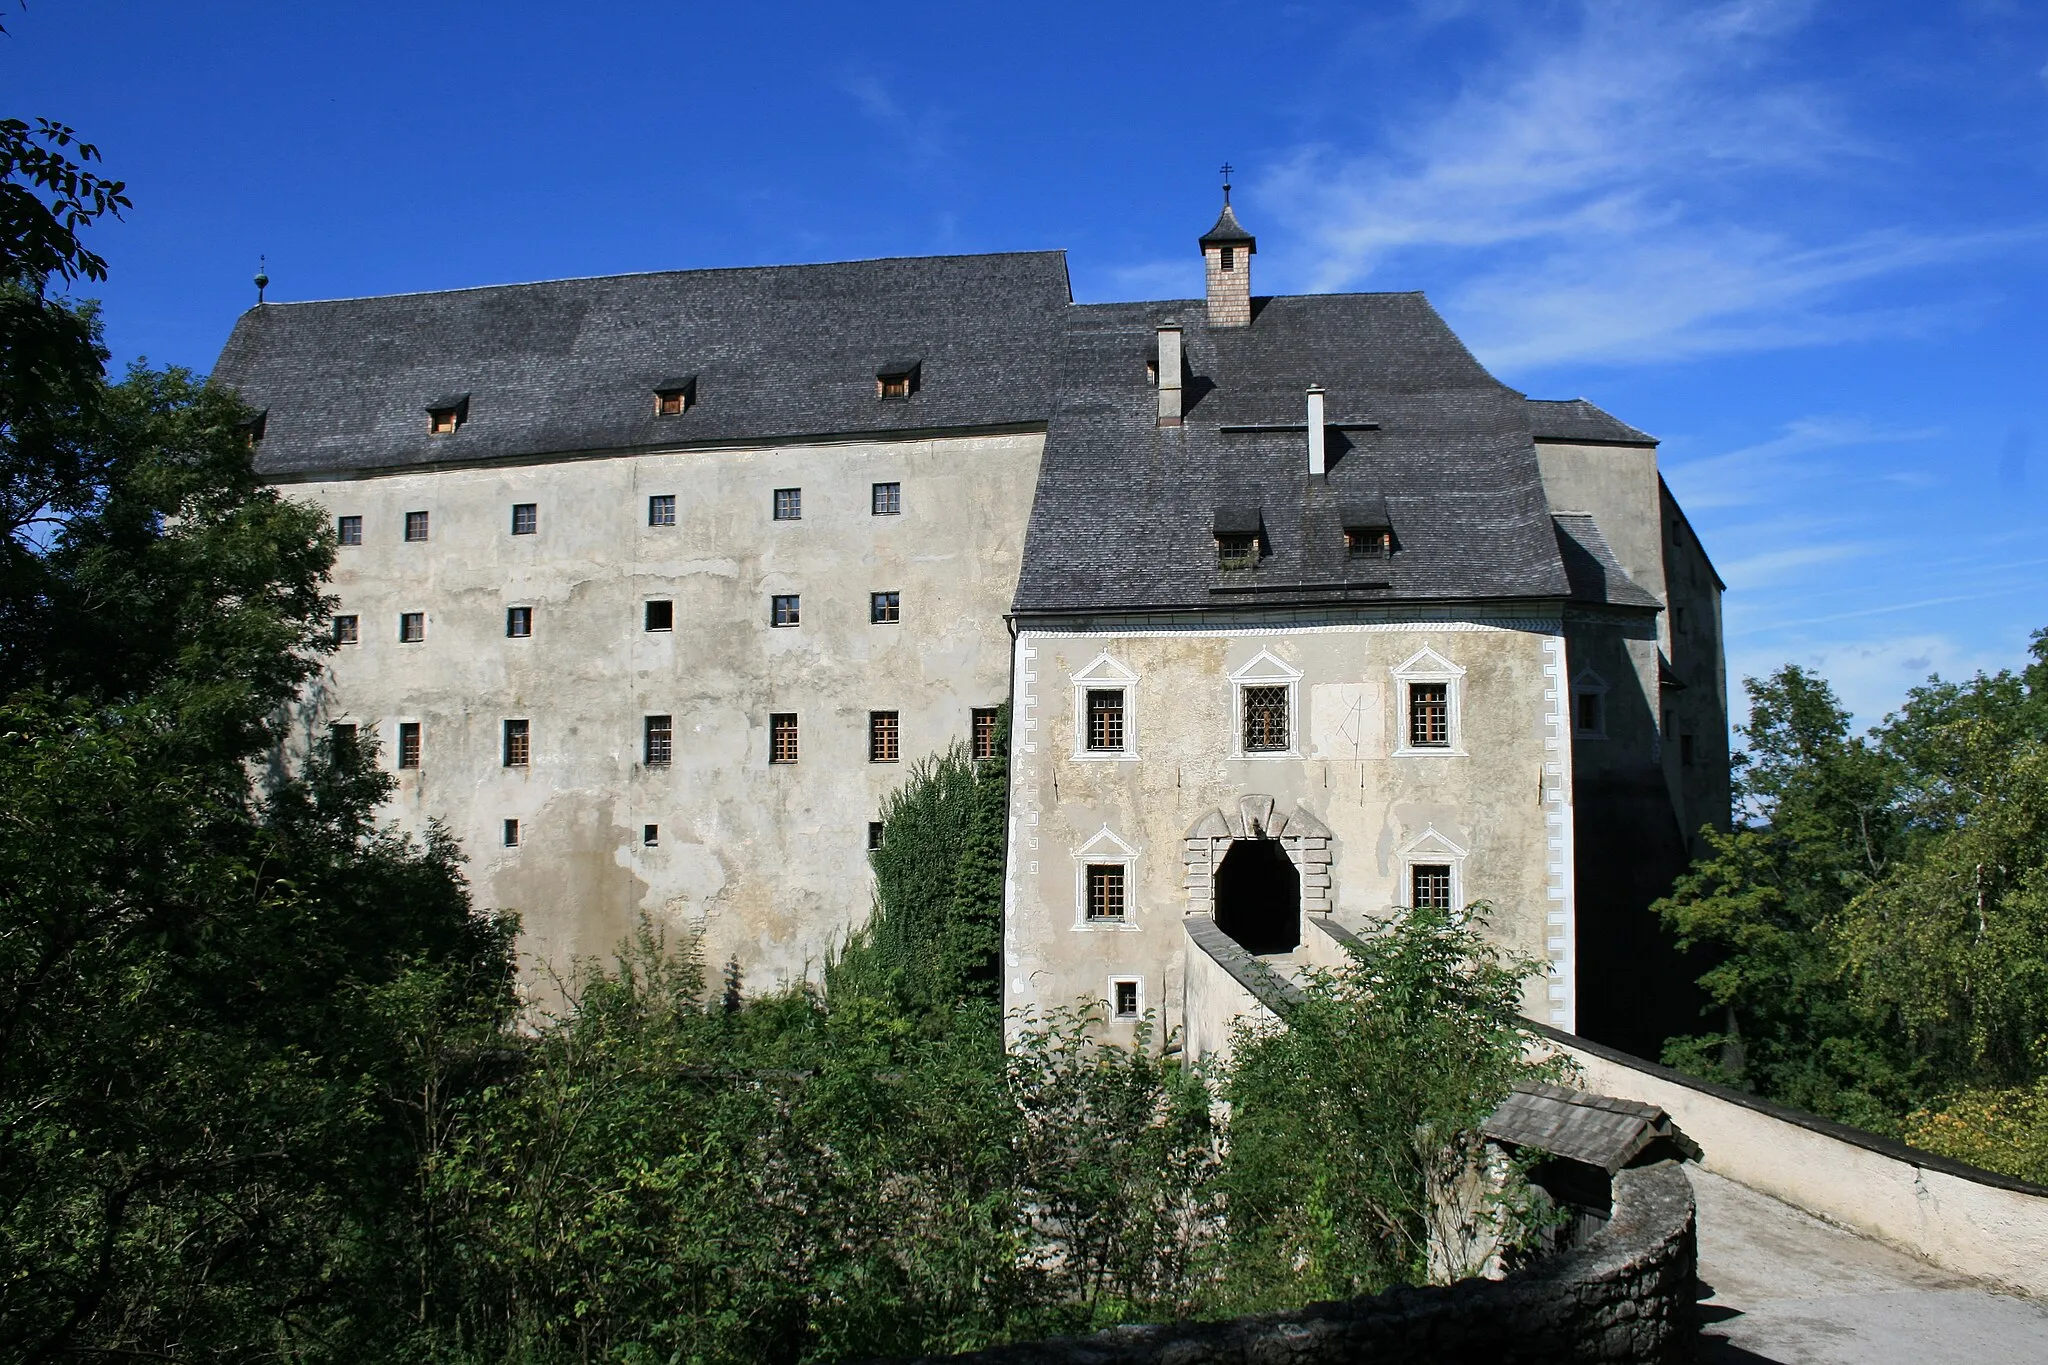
1426 663
1265 667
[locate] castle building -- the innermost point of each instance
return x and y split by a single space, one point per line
650 587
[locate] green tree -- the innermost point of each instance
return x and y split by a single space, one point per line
1347 1123
215 970
1820 825
934 938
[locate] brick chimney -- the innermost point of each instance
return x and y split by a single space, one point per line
1227 256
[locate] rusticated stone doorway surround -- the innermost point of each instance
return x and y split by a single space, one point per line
1305 839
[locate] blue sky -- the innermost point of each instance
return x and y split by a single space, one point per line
1806 244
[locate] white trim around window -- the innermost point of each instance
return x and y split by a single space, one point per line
1136 1015
1105 674
1265 670
1106 849
1431 849
1425 665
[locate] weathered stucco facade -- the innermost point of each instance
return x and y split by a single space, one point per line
1301 613
1493 806
764 861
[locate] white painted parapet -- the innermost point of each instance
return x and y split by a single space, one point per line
1971 1221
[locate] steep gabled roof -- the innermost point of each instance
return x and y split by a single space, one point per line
1595 574
569 366
1578 421
1126 510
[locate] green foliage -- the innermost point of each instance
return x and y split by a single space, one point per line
1350 1125
934 938
2000 1130
218 999
667 1180
1881 920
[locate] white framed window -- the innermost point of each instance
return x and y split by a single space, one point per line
1429 691
1432 872
1265 709
1105 712
1105 884
1126 997
1589 705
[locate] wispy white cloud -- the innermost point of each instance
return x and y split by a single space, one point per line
1870 675
1603 177
1761 473
921 134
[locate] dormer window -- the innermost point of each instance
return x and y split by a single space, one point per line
252 428
1239 531
446 414
675 397
896 380
1368 530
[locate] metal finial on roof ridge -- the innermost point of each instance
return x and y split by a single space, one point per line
262 277
1226 184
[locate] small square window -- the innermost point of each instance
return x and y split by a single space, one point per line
1237 552
874 835
525 518
1368 542
1265 720
658 742
441 421
409 744
784 610
883 735
348 530
984 722
518 743
660 615
885 608
347 630
412 627
1105 892
341 736
1429 715
887 499
675 398
650 836
518 622
661 510
1429 886
511 834
1123 1003
782 737
897 381
1106 720
789 504
415 525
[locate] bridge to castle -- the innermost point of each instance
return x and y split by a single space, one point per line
1817 1242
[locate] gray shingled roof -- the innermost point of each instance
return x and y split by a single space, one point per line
1599 1130
1228 232
1575 419
571 365
1126 510
1595 574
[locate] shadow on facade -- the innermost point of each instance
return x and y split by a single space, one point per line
1258 897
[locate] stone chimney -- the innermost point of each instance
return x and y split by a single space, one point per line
1169 376
1227 255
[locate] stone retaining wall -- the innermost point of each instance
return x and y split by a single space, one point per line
1626 1295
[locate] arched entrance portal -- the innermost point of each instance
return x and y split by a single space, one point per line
1258 897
